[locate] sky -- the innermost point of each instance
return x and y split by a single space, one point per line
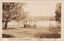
41 8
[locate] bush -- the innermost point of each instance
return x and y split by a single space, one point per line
55 30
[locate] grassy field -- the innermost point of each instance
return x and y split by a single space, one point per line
19 32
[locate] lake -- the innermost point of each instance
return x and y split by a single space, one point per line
38 23
46 23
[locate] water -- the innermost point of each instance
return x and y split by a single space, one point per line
46 23
38 23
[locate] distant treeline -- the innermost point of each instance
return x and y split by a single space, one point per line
46 18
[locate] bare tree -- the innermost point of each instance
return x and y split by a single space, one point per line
12 11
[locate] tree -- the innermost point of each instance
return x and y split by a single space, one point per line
58 12
57 28
12 11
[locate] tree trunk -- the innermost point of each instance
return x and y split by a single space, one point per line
6 25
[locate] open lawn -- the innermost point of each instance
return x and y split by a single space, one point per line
19 32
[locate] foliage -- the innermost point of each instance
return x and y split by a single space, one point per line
58 12
57 28
12 11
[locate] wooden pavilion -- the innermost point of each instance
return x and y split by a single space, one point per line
30 22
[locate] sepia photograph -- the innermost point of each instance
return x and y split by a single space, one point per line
32 19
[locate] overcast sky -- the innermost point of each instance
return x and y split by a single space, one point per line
41 8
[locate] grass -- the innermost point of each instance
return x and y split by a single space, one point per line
20 32
6 36
41 35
